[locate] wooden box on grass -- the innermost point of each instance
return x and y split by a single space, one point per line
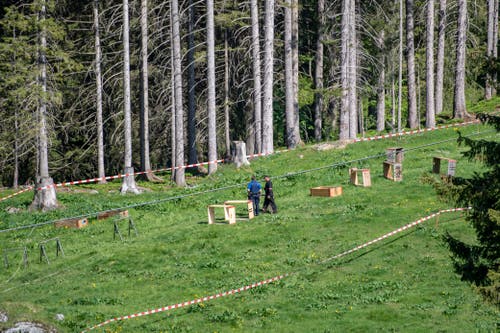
326 191
393 171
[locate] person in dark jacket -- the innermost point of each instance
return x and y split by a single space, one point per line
269 200
254 189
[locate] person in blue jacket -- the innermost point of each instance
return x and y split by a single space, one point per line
254 189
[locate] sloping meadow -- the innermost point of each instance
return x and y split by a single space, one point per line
405 283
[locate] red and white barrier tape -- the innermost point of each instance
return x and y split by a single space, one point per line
29 188
276 278
393 135
184 304
94 180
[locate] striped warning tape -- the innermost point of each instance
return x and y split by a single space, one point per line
29 188
184 304
393 135
276 278
95 180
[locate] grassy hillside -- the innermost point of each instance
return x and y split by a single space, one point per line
404 284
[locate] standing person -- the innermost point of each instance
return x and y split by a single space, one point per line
253 190
269 200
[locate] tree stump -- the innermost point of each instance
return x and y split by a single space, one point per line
128 184
44 199
239 153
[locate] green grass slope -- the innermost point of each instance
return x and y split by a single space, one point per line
403 284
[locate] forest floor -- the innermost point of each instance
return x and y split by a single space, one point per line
404 284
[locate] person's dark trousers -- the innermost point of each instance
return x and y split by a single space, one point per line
256 200
270 201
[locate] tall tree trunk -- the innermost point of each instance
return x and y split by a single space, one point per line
381 84
256 126
440 57
98 78
289 88
295 76
226 97
172 115
318 73
128 184
400 68
179 174
459 108
345 72
410 59
44 199
489 47
267 110
144 117
15 176
191 121
430 116
353 76
212 130
495 49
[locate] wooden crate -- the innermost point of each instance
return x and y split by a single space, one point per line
436 165
395 154
72 223
326 191
367 181
393 171
248 203
229 213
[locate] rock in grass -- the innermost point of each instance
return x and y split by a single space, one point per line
59 317
3 317
27 327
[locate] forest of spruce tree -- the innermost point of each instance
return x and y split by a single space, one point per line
95 88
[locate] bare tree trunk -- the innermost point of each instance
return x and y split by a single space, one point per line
257 85
289 88
410 59
440 57
226 96
295 76
489 48
345 73
318 73
145 158
212 130
430 115
179 175
172 116
128 184
353 76
495 49
191 121
400 69
98 78
459 108
393 101
44 199
381 85
267 111
15 176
